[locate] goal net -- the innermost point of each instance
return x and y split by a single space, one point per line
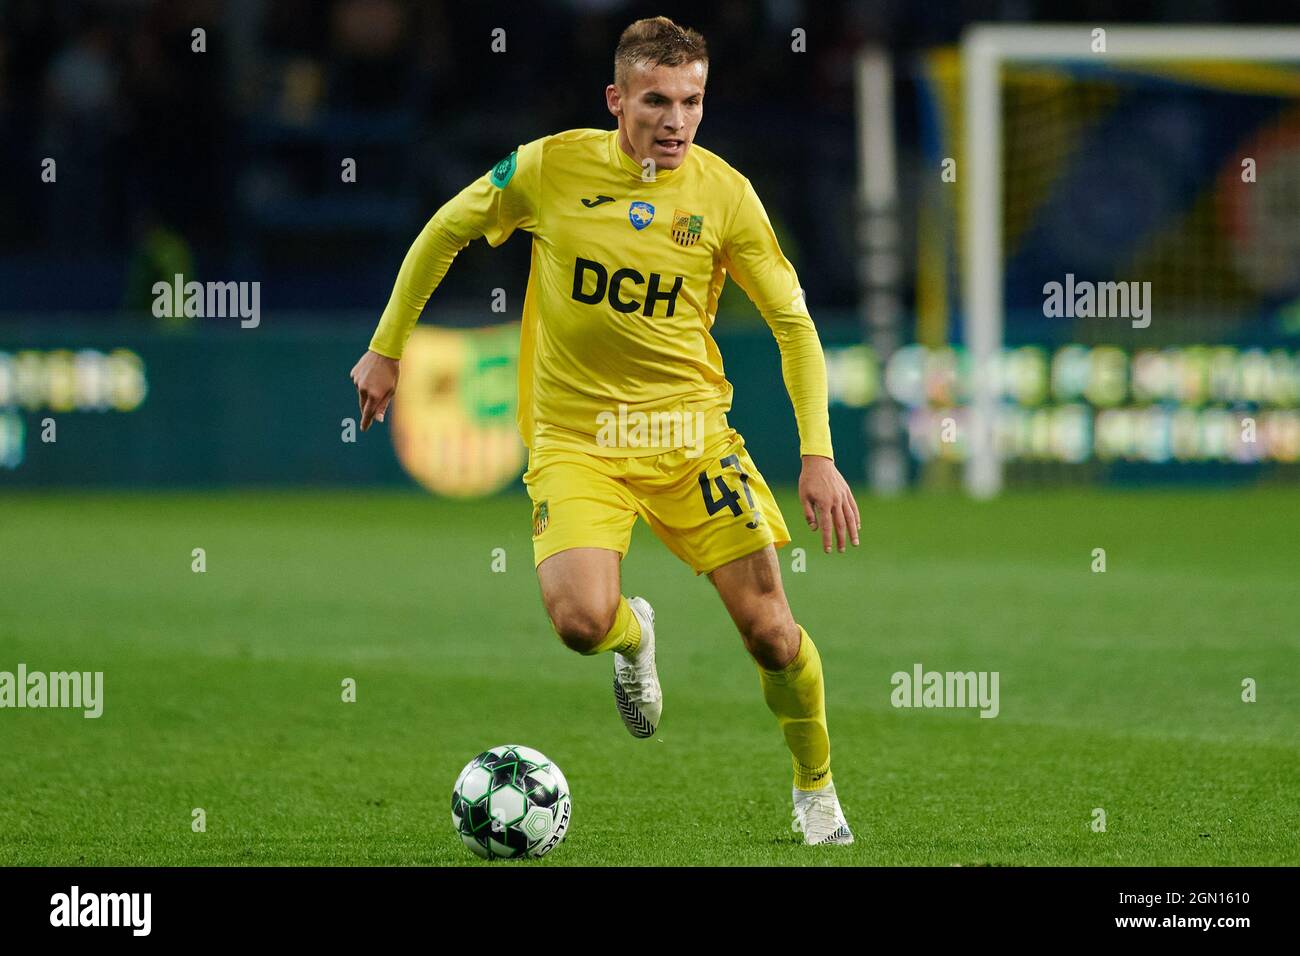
1109 256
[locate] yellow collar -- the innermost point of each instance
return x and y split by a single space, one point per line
633 168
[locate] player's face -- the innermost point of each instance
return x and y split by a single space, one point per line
660 111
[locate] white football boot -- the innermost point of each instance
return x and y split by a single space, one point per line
636 681
817 815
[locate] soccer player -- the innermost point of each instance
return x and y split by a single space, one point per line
622 396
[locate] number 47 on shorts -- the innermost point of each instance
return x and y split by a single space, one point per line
727 497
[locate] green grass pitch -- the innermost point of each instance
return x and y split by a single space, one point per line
1119 690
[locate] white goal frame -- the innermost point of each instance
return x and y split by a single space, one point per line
984 49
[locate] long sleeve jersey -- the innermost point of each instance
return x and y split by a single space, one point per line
623 288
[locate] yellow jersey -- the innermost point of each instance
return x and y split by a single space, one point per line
626 270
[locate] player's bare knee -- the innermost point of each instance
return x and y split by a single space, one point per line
581 625
772 641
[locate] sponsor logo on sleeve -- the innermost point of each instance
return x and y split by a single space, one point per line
504 170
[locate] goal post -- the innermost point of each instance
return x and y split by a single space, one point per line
880 264
985 51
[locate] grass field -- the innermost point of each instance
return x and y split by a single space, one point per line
1119 690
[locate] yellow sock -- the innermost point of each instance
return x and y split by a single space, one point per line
797 696
625 635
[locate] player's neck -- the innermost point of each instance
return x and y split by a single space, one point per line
625 147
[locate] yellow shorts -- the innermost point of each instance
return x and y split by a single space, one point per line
709 509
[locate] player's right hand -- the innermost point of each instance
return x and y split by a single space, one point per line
375 377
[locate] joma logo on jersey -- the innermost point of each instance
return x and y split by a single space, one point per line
611 287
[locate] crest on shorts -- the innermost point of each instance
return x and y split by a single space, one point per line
541 518
686 228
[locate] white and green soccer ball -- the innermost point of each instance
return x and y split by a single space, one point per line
511 801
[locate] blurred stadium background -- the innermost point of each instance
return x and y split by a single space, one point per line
227 165
170 434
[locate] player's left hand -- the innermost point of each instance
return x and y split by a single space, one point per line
828 502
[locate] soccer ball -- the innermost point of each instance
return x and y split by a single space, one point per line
510 801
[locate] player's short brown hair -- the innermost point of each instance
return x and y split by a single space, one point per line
657 41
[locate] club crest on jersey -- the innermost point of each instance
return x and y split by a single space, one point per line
641 214
540 518
686 228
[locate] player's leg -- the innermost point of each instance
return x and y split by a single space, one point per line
580 591
718 515
789 666
790 673
582 525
